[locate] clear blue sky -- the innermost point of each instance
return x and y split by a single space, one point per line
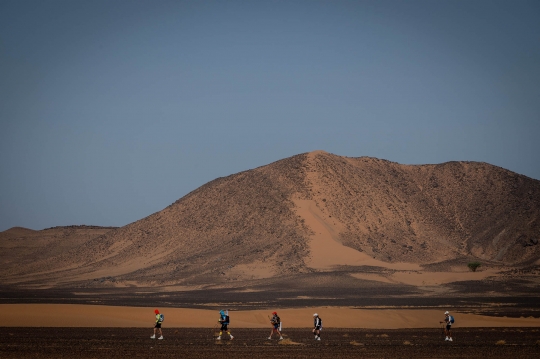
112 110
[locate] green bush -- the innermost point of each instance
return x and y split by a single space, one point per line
474 266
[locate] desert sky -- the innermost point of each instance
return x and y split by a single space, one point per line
112 110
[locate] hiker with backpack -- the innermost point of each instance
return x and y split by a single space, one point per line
276 326
317 323
157 326
224 321
449 320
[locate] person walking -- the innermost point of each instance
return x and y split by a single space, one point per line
224 320
449 320
157 326
317 326
276 326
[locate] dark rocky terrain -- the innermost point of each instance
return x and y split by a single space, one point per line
504 343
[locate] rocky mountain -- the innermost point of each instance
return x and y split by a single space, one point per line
308 213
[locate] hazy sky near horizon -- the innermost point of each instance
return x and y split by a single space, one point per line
112 110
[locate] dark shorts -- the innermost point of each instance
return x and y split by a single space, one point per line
448 326
276 326
318 327
158 325
224 326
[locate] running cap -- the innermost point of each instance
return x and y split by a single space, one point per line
156 311
315 315
274 313
447 312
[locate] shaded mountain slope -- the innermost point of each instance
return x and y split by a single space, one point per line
248 226
24 250
426 213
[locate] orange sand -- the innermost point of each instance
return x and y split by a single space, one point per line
75 315
423 278
325 248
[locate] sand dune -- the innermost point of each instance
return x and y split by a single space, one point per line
325 248
62 315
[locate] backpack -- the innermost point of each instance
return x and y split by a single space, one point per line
161 318
451 319
227 320
320 321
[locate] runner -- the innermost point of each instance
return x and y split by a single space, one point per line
224 320
276 326
449 320
157 327
317 324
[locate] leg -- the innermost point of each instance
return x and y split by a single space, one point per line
159 331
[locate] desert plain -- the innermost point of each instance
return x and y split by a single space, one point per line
380 250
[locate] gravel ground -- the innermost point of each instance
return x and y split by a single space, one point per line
252 343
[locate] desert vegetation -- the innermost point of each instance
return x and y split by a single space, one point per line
473 266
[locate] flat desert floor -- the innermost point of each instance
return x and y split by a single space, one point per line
98 331
493 343
78 315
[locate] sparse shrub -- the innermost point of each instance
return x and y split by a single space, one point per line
501 342
474 266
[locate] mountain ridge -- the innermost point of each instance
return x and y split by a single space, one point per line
252 225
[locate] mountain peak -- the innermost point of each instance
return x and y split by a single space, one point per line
317 212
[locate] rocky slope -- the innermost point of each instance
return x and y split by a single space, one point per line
248 225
